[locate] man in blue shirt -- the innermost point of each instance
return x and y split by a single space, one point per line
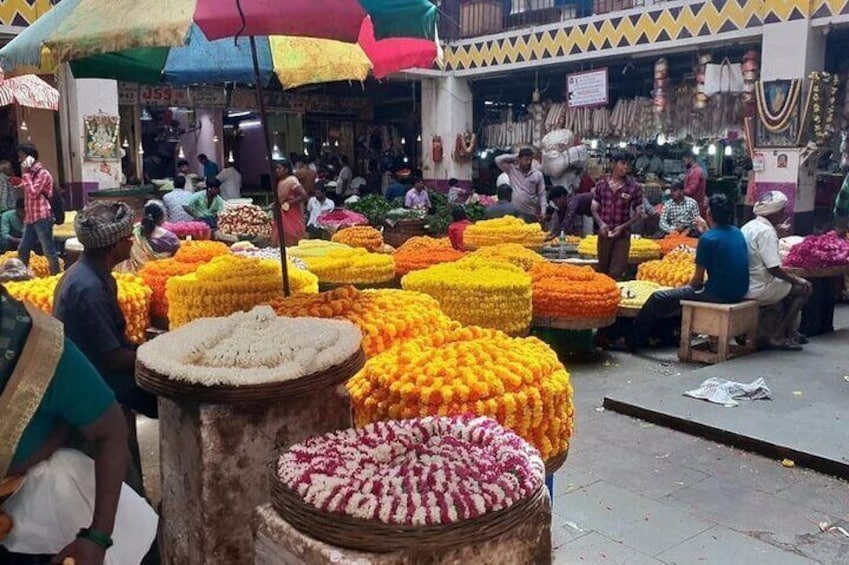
210 168
722 254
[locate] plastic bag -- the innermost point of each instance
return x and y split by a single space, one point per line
724 77
721 391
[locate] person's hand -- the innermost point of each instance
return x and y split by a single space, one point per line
803 283
616 232
701 225
82 551
784 228
603 230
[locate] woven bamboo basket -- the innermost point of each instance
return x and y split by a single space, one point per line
162 385
391 283
402 231
573 323
824 273
377 537
554 464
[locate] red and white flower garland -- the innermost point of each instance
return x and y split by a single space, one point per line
425 471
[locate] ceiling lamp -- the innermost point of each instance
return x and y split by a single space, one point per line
728 151
181 154
661 139
145 115
141 149
230 158
126 143
593 144
696 150
403 141
276 155
622 145
712 149
214 139
24 126
419 137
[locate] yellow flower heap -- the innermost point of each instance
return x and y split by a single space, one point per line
676 269
512 253
38 264
228 284
352 266
490 294
636 293
504 230
386 317
133 298
470 370
642 249
313 248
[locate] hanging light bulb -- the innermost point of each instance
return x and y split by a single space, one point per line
403 141
336 143
181 154
125 144
214 139
622 145
696 150
661 139
712 149
306 152
484 154
406 160
276 155
24 125
728 151
593 144
230 158
145 115
306 139
419 137
141 149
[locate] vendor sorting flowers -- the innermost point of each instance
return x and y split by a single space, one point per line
205 205
681 214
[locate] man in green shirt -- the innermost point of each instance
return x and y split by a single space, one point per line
841 208
12 227
205 205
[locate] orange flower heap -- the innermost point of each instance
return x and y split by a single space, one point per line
359 236
570 292
421 252
676 269
156 274
470 370
512 253
425 242
200 251
675 240
642 249
386 317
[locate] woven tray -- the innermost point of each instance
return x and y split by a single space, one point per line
391 283
573 323
376 537
825 273
161 385
553 464
402 231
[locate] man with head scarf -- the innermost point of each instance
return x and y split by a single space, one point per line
86 301
768 282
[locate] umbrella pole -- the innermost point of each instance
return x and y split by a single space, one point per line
268 144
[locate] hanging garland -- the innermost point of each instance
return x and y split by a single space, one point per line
824 100
778 122
464 148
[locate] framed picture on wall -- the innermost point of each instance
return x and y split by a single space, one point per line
101 137
779 108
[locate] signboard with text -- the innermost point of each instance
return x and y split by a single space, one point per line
587 89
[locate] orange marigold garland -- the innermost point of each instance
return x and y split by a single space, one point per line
407 261
424 242
676 269
155 274
675 240
366 237
570 292
200 251
471 370
38 264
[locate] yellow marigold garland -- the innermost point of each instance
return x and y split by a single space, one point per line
386 317
512 253
314 248
423 243
570 292
360 236
38 264
504 230
642 249
475 291
676 269
352 266
633 294
195 251
471 370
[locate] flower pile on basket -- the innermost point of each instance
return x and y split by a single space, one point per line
491 294
185 230
155 274
313 248
386 317
419 472
245 220
504 230
642 249
567 292
352 265
675 270
38 264
200 251
636 293
366 237
819 252
471 370
420 252
675 240
133 298
512 253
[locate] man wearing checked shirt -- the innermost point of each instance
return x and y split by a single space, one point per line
38 214
681 214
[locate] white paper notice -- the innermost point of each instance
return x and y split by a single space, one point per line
588 88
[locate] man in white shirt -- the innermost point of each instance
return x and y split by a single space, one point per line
175 200
316 206
768 282
231 183
346 175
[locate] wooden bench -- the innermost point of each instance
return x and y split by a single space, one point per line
722 322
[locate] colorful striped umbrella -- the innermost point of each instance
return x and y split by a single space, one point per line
29 91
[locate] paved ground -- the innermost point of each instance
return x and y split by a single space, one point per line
636 493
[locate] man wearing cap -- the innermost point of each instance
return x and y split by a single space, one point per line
86 301
205 205
768 282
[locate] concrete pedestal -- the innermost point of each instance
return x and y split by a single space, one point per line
216 461
278 543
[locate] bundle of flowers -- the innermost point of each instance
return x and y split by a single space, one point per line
200 251
504 230
424 243
352 265
38 264
245 220
133 298
225 285
491 294
314 248
470 370
415 260
420 472
360 236
253 347
512 253
570 292
641 249
675 240
185 230
633 294
675 270
155 274
385 317
819 252
340 218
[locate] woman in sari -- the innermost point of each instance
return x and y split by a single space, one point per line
292 197
151 241
56 501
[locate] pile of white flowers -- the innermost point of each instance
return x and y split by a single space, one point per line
426 471
250 348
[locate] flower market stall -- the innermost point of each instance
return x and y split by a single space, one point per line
642 249
504 230
634 294
229 396
572 298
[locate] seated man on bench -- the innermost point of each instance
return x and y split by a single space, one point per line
722 254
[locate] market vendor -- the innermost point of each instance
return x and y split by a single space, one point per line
175 200
615 207
204 206
459 222
504 206
151 242
527 183
12 227
570 211
417 197
768 282
681 214
64 503
695 182
292 198
841 209
317 205
86 301
721 254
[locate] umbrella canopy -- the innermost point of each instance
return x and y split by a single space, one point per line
29 91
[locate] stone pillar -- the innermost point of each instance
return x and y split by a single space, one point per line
792 50
446 111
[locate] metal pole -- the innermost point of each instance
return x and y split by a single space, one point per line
268 144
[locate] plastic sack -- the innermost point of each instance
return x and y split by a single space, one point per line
56 499
721 391
724 77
